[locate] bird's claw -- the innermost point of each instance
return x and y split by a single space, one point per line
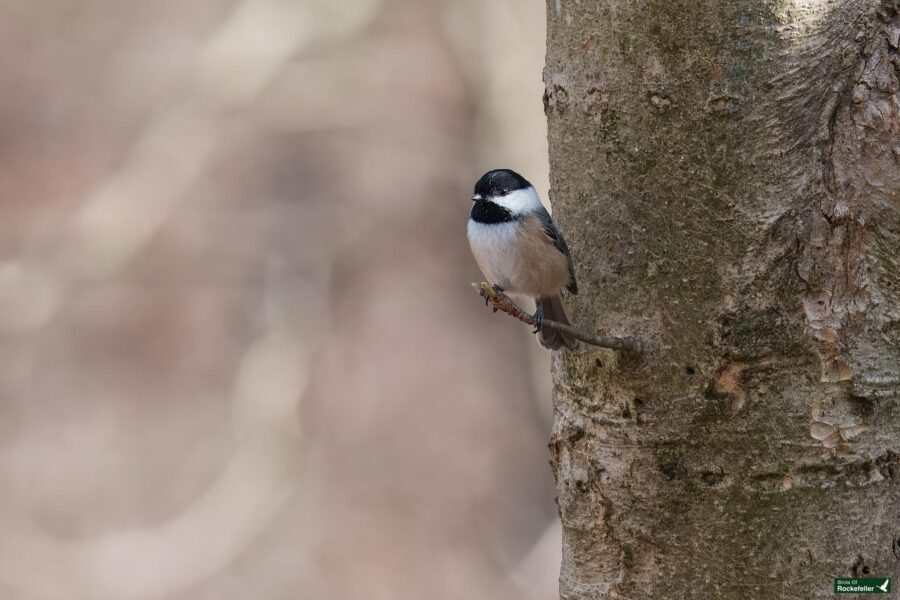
488 296
538 316
538 320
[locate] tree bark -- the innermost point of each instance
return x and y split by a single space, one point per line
727 173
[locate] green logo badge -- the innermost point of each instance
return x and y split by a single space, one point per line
872 585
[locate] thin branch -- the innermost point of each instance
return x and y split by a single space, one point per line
500 301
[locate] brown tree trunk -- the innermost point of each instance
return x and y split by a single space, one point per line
727 173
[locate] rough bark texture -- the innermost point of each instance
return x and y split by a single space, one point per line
728 176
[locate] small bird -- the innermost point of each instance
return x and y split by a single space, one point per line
520 250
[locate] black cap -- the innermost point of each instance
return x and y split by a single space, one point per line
500 182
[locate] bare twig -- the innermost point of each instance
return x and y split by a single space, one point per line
500 301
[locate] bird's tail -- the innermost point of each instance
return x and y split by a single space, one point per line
554 311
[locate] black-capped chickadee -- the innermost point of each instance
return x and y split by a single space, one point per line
520 250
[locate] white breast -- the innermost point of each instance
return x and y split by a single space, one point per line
519 257
492 245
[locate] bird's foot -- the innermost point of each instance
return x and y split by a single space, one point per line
496 289
538 318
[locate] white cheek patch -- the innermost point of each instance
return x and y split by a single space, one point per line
520 201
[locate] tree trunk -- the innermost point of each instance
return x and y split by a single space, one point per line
727 173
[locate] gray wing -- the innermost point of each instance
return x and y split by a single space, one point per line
560 242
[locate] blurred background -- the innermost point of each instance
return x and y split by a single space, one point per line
239 354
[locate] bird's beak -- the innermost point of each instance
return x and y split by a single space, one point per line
477 198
